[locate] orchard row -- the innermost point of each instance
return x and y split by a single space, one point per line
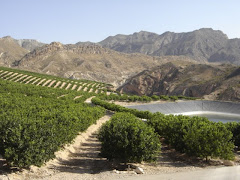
36 121
51 81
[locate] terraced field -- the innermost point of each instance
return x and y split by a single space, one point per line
35 108
26 77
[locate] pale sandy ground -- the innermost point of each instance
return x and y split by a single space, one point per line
30 80
59 82
52 82
123 103
221 173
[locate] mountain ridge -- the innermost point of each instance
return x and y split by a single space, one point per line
29 44
203 45
10 51
139 73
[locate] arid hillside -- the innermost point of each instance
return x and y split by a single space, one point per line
91 62
197 80
10 51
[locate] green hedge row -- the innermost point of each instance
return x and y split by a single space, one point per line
126 139
118 108
34 123
234 127
134 98
196 136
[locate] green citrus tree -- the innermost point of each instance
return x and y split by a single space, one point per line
128 139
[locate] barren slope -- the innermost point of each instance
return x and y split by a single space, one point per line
10 51
197 80
91 62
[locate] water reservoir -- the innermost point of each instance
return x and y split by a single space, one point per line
214 110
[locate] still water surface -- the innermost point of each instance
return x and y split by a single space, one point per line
219 117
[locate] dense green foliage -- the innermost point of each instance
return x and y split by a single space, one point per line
118 108
127 139
195 136
134 98
37 121
204 139
234 127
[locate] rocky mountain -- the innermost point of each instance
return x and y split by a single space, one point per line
91 62
195 80
85 43
179 62
10 51
29 44
229 53
13 49
203 45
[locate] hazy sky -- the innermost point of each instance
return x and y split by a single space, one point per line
70 21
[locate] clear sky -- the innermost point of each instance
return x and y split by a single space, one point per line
70 21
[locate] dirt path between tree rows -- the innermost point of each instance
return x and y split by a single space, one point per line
81 160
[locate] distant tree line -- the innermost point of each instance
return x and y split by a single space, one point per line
144 98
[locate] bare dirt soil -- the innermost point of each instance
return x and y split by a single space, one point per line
125 103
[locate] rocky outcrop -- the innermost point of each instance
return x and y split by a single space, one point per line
203 45
57 47
229 53
196 80
230 94
149 81
29 44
